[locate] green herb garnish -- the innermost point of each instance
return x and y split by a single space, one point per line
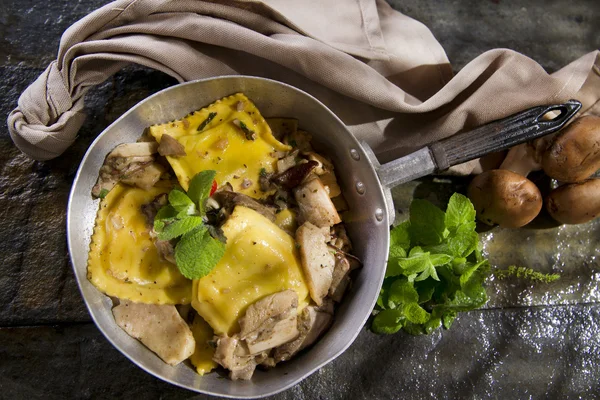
249 133
262 173
525 273
103 193
435 269
196 252
210 117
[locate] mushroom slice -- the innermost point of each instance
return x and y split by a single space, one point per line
284 330
232 355
340 277
323 164
270 322
145 177
312 322
268 308
317 260
169 146
158 327
139 149
315 205
229 199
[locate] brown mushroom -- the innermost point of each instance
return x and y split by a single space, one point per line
575 153
575 203
505 198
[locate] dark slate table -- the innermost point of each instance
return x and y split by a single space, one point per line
530 342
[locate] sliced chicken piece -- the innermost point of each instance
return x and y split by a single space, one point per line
312 322
340 278
169 146
267 310
315 205
158 327
317 259
230 354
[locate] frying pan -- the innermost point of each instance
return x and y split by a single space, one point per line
365 184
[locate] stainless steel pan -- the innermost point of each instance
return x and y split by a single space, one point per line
365 185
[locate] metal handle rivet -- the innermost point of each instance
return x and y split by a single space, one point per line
379 214
360 187
354 154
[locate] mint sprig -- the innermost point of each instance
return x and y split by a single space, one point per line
196 252
434 270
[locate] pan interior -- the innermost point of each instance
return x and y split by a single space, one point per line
369 234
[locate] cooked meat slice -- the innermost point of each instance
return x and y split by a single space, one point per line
263 311
312 322
228 200
315 205
140 149
144 177
158 327
169 146
281 332
317 259
295 175
340 278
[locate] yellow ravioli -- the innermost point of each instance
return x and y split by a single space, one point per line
260 259
123 261
221 145
202 358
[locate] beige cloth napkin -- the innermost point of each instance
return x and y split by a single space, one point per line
381 72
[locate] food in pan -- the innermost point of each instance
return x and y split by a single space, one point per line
220 238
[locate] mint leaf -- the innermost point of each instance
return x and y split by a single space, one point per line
463 241
400 240
415 313
439 259
401 292
179 227
181 202
448 318
427 224
460 211
197 253
411 265
199 189
163 216
388 321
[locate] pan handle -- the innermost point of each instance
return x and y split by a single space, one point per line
495 136
502 134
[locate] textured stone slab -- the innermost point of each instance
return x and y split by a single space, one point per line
550 352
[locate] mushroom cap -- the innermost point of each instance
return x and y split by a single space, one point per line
505 198
575 203
575 153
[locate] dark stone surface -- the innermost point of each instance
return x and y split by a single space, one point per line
49 349
549 352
